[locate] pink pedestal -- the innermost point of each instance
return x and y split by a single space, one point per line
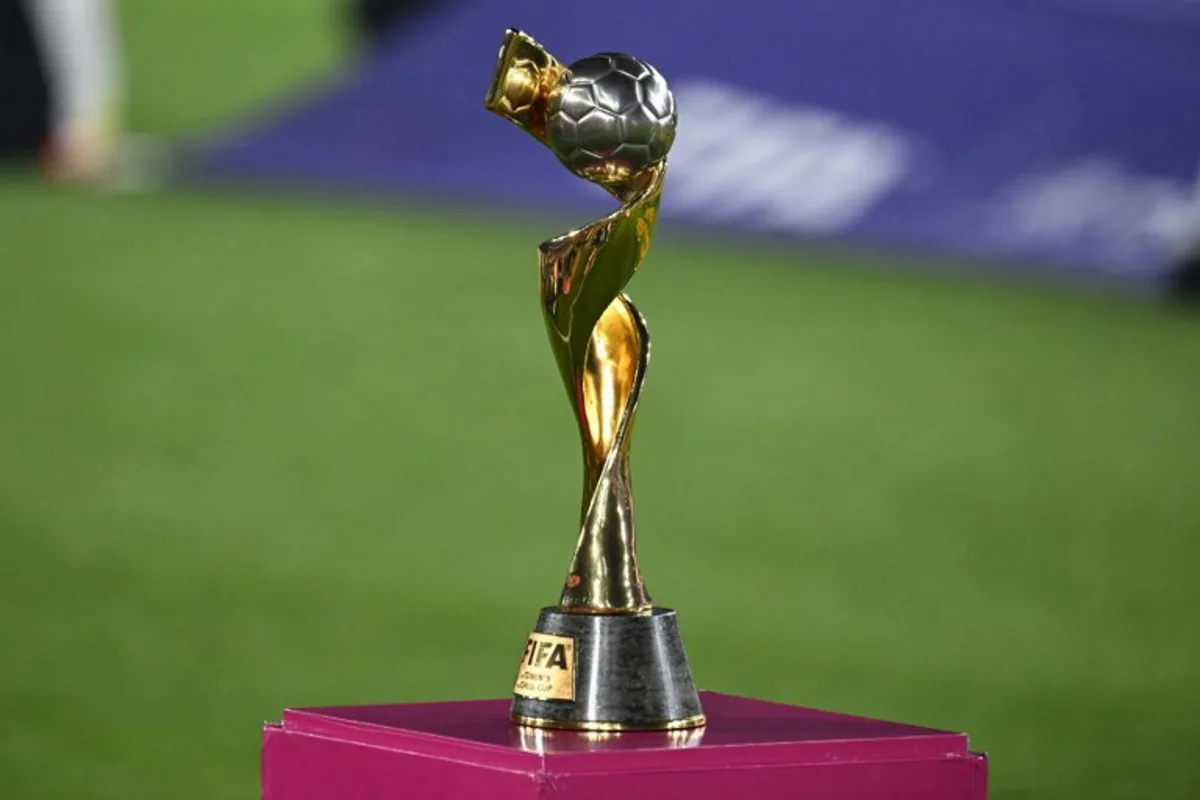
750 748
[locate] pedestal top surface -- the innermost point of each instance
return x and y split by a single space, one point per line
740 731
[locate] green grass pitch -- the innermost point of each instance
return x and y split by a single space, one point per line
256 452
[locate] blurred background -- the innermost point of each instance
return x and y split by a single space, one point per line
279 426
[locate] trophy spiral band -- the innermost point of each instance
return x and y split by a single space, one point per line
605 658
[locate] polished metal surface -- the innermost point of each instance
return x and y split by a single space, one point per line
611 109
690 724
599 339
630 673
533 737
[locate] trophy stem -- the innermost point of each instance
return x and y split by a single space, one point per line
604 577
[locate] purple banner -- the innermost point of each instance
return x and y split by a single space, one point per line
1064 132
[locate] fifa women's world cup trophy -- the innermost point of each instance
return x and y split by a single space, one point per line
604 658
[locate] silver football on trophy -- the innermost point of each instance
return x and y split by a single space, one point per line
613 116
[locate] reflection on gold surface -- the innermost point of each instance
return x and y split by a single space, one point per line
598 337
543 740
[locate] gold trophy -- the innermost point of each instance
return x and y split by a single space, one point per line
604 658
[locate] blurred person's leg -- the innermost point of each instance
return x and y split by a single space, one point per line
24 100
81 57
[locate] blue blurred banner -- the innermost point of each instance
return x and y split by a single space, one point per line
1062 132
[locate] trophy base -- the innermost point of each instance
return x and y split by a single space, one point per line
606 672
748 749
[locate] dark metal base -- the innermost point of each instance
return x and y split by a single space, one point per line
630 672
